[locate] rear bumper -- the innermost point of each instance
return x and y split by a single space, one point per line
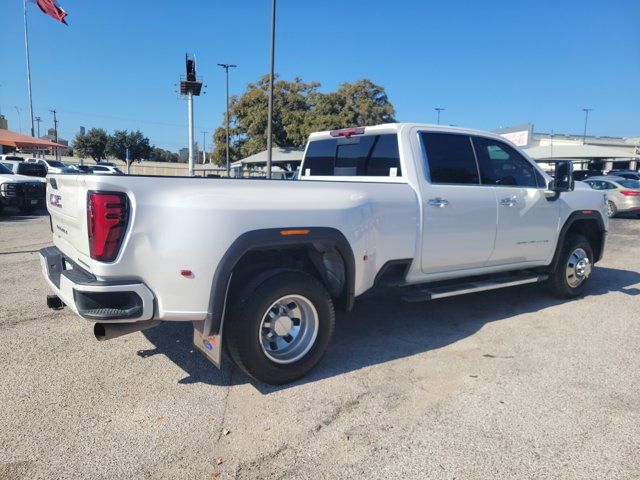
93 299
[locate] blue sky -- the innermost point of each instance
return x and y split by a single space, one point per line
489 63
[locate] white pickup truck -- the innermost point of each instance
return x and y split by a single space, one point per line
434 211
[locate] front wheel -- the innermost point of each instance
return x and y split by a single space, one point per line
569 278
279 330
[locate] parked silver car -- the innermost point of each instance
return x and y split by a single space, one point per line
623 194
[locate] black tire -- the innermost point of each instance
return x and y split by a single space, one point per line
242 327
559 282
612 210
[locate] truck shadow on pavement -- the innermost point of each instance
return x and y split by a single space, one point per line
382 328
10 214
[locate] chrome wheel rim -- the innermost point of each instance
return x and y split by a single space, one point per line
288 329
609 209
578 267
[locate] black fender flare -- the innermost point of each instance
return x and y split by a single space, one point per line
270 238
592 215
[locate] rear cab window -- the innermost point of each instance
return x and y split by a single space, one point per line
354 156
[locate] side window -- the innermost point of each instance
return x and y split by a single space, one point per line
450 158
502 165
607 186
361 156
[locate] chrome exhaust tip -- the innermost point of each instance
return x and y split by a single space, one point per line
108 331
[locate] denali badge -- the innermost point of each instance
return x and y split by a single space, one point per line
55 200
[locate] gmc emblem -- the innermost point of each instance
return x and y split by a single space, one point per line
55 200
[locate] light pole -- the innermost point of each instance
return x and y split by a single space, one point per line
226 67
438 109
270 120
586 119
19 119
204 146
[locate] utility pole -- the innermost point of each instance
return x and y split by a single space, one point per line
55 124
226 67
55 132
38 120
270 120
438 109
586 119
26 47
204 146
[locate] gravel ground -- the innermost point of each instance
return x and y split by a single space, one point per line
503 384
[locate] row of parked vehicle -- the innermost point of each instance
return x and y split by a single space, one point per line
23 180
622 188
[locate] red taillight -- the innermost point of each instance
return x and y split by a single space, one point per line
347 132
107 215
630 193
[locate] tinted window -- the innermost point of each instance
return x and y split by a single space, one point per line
450 158
634 184
501 164
32 169
363 156
5 170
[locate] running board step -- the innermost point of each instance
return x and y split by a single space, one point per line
434 292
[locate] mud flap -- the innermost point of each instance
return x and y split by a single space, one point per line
210 346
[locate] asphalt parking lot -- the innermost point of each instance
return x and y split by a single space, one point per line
503 384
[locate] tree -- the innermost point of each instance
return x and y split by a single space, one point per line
249 116
161 155
137 144
92 144
298 109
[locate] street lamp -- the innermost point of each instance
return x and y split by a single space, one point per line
586 119
270 120
226 67
19 118
438 109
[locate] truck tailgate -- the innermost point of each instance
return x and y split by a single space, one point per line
66 202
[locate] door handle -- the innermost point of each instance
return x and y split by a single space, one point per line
438 202
509 201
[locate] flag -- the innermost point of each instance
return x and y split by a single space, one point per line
51 8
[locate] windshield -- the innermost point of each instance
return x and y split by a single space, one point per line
634 184
4 170
55 164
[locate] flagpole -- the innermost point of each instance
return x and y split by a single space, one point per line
26 46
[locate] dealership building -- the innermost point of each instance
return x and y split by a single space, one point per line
587 152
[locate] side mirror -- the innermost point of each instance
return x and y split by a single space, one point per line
563 181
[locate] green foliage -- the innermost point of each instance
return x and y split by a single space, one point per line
92 144
136 142
161 155
298 109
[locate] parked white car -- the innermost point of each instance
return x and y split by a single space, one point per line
52 165
106 169
430 210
